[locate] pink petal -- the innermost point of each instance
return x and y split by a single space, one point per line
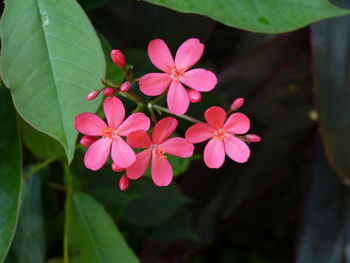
154 84
236 149
178 147
136 121
188 54
89 124
199 132
139 167
163 129
139 139
161 171
114 111
124 183
177 98
237 123
97 154
199 79
160 55
214 153
215 116
122 154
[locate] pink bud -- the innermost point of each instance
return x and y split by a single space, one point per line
118 58
93 94
108 91
236 104
253 138
125 86
86 140
124 183
194 95
116 168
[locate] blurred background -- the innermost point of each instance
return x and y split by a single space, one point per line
286 204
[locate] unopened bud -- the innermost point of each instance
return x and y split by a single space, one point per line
116 168
194 95
124 183
86 140
93 94
118 58
125 86
252 138
108 91
236 104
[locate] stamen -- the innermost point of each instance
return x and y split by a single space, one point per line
107 133
176 73
158 152
220 135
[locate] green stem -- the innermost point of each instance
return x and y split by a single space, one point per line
156 99
151 111
185 117
69 184
38 167
133 97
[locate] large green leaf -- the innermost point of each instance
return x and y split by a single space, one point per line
39 143
154 205
331 47
10 172
29 241
50 59
325 231
267 16
94 233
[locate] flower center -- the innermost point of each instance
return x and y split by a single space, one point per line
158 152
108 133
176 73
220 135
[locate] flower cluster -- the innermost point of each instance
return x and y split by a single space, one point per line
118 137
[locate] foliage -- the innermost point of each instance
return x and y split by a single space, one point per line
54 53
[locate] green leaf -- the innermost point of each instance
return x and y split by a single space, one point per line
177 227
331 47
154 205
10 172
50 59
39 143
29 241
180 165
94 233
268 16
325 231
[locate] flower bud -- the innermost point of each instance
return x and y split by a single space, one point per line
108 91
236 104
194 95
125 86
93 94
118 58
86 140
252 138
116 168
124 183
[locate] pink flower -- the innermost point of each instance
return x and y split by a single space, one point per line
176 73
92 125
221 133
157 147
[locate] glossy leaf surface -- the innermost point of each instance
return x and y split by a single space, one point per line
50 59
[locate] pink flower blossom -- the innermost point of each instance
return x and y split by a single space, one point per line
111 141
221 133
157 147
124 183
86 140
176 73
118 58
